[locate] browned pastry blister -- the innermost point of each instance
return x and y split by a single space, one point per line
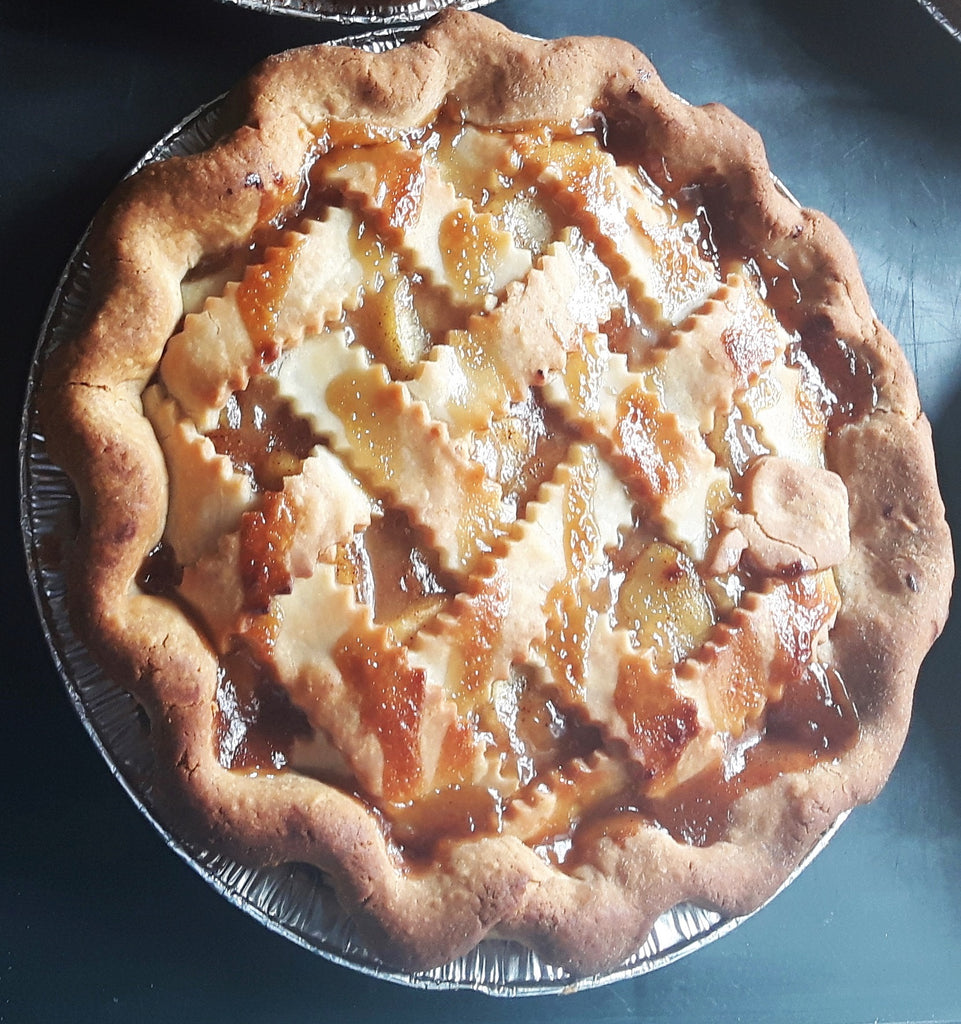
498 493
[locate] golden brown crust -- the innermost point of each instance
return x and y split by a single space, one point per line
894 585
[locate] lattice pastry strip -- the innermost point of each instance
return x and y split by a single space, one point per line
676 722
768 642
298 288
666 731
425 696
597 293
479 372
500 619
718 352
478 162
651 252
391 442
596 669
355 682
785 407
207 495
666 462
408 202
276 542
574 603
541 813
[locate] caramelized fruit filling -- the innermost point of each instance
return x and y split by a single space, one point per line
258 723
482 427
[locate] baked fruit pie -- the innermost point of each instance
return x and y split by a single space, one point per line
498 493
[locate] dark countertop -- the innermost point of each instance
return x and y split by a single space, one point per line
859 103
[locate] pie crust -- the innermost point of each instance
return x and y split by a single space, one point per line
589 542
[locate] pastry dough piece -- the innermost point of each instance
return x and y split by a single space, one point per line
392 443
668 464
719 351
442 237
795 517
526 339
656 259
299 287
496 622
207 494
275 543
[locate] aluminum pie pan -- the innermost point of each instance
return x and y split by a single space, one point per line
385 13
947 13
293 900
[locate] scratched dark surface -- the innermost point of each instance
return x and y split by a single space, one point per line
860 106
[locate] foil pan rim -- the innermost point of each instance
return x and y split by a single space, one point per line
947 13
291 900
358 13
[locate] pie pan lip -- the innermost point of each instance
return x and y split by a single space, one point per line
387 12
947 13
292 900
